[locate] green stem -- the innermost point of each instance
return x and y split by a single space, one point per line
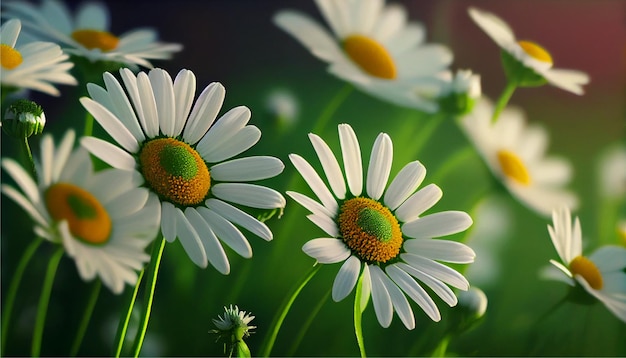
29 155
442 347
122 327
153 271
88 124
453 161
282 313
43 301
503 100
358 311
331 108
307 324
426 132
15 284
86 318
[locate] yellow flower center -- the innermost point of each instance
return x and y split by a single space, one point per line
91 39
535 51
371 56
513 167
9 57
584 267
175 171
621 232
88 220
370 230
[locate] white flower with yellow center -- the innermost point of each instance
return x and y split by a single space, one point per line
515 154
104 220
375 48
602 274
383 232
35 65
529 54
184 156
87 33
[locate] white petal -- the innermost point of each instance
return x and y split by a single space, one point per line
438 287
351 158
25 204
441 250
214 251
227 232
247 169
325 223
315 182
168 221
327 250
204 112
111 124
223 130
569 80
237 216
121 106
436 270
22 179
437 225
346 278
109 153
311 205
379 166
400 303
148 105
419 202
47 159
255 196
414 290
366 287
330 166
63 152
241 141
406 182
163 89
609 258
129 203
380 296
184 92
190 239
495 27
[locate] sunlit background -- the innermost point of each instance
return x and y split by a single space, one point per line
235 43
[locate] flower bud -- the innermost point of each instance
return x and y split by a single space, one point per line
470 310
460 92
232 328
23 119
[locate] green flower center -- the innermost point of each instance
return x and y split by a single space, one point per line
175 171
371 56
10 58
87 219
370 230
91 39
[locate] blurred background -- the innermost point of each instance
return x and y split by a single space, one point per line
235 43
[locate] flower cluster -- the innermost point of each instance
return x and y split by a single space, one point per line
158 162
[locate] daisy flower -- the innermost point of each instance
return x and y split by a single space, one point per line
515 154
104 220
87 33
184 157
527 55
375 48
382 233
602 274
36 65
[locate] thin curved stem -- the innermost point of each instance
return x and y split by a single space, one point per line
358 311
84 323
42 307
29 155
282 313
426 131
122 327
153 271
454 160
15 284
307 324
88 124
331 108
503 100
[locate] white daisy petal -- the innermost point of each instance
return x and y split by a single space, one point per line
204 112
237 144
366 287
251 195
237 216
109 153
315 182
163 89
436 270
226 232
398 273
184 91
437 225
25 204
247 169
330 166
351 158
609 258
128 203
406 182
419 202
380 297
168 222
327 250
22 179
111 124
325 223
438 287
311 205
121 106
346 278
379 166
222 131
441 250
148 105
190 239
400 303
214 251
